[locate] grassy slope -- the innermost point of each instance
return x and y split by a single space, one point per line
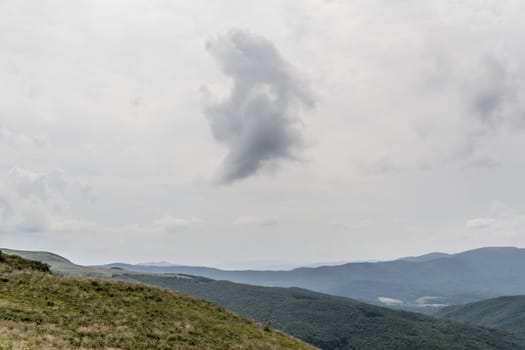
39 310
506 313
338 323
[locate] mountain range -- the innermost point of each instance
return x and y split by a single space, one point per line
423 282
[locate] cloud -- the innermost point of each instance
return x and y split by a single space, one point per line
480 223
379 165
340 226
255 221
32 199
495 100
504 222
495 90
259 121
170 223
33 184
15 138
484 162
36 201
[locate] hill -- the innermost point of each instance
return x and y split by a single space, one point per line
330 322
60 264
422 282
40 310
507 313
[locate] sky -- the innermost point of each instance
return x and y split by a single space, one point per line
261 134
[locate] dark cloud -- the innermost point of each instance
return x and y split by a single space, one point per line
496 90
259 121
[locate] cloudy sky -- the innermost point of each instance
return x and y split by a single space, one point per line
261 133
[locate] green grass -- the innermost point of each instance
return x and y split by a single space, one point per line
12 263
41 310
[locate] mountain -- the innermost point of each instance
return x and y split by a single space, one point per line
59 263
507 313
426 257
330 322
157 263
422 282
41 310
65 267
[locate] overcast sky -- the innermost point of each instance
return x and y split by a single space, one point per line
261 133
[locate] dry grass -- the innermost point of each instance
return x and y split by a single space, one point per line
39 310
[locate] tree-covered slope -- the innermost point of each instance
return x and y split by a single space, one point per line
331 322
506 313
40 310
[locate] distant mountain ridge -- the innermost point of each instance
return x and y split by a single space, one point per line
426 257
452 278
157 263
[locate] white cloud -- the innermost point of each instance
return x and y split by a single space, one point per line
480 223
504 222
35 201
255 221
170 223
340 226
18 139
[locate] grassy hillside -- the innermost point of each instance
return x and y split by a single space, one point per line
337 323
40 310
506 313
